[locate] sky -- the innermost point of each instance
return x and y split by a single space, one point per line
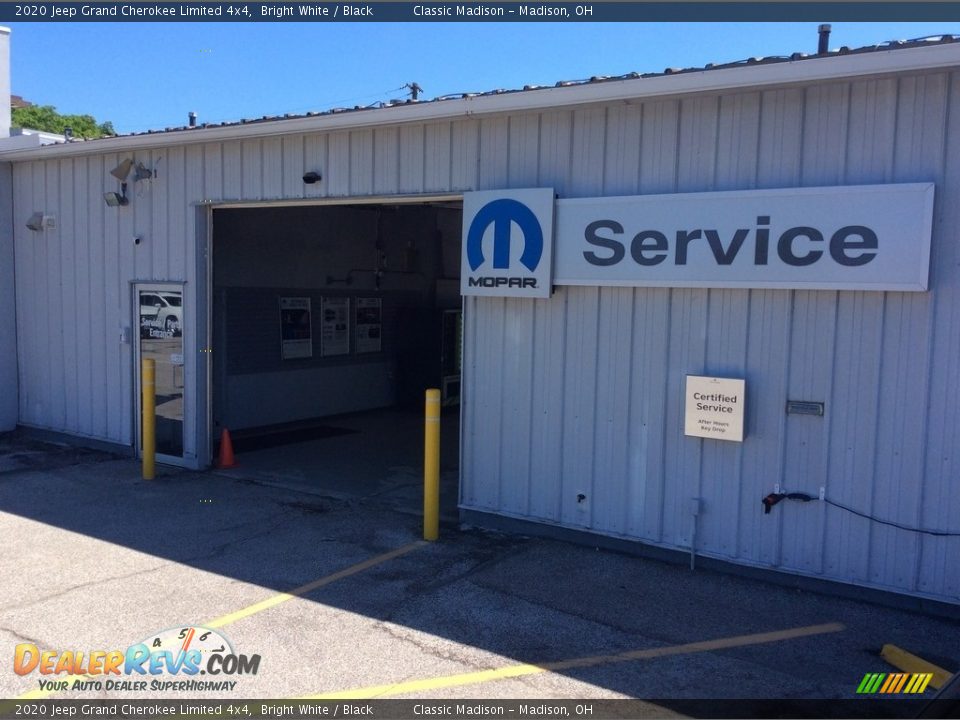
146 75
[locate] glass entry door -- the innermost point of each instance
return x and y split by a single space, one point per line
159 315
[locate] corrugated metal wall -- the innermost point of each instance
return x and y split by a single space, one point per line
73 283
583 393
73 286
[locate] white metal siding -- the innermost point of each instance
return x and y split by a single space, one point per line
9 403
73 292
583 393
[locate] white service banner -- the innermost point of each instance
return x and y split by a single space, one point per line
866 237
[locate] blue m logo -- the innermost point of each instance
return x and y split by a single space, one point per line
502 214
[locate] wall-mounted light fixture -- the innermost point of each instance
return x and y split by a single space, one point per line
121 171
312 177
39 222
141 172
35 222
117 199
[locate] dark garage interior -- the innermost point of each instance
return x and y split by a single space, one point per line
329 323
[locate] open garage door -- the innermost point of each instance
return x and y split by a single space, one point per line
329 322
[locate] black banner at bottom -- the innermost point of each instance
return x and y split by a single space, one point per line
450 709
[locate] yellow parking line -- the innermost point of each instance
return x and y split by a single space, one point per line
304 589
512 671
269 603
903 660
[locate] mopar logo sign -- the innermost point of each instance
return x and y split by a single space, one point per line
508 238
501 214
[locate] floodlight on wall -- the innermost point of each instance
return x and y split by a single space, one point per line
141 172
117 199
312 177
121 171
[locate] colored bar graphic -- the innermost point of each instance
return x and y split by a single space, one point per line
894 683
862 687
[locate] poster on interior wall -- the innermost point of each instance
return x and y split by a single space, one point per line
296 334
369 324
335 328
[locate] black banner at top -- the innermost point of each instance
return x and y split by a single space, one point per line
306 11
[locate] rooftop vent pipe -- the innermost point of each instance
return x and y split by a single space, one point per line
193 119
824 44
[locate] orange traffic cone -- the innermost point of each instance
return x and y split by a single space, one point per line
226 451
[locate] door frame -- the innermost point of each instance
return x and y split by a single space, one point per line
136 287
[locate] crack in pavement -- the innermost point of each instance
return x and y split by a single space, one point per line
391 630
218 550
18 636
81 586
491 558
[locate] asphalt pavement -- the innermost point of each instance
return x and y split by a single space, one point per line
339 597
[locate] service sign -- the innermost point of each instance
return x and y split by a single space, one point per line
714 408
507 243
867 237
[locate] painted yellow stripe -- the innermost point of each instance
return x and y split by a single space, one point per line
903 660
513 671
927 679
268 603
304 589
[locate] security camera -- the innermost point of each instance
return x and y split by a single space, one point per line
311 177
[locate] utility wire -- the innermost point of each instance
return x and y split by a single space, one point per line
935 533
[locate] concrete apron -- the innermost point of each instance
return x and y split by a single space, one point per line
379 460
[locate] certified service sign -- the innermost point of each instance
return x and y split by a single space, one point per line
714 408
508 243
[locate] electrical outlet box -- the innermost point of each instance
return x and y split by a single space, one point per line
823 492
776 488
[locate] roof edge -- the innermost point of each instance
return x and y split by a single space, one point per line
811 69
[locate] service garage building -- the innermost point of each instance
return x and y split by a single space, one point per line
712 310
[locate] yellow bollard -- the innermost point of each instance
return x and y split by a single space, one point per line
431 467
148 426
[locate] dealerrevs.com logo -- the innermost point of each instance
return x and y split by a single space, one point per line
170 660
508 242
